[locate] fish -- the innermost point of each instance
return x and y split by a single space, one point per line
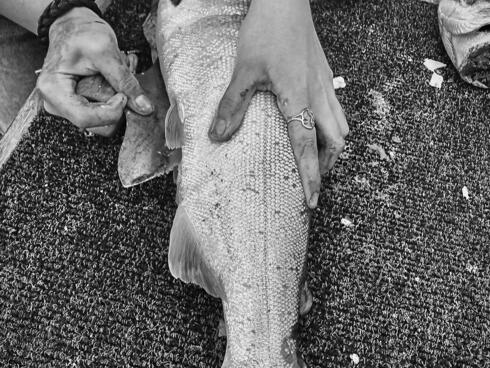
465 31
241 226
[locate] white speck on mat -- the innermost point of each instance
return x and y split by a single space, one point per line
346 222
344 155
380 150
433 65
471 268
436 80
396 139
466 193
363 182
392 155
339 82
382 106
355 358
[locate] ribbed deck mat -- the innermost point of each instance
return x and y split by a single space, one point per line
83 262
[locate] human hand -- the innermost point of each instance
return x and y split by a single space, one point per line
279 51
82 44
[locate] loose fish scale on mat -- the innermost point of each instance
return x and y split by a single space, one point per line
242 225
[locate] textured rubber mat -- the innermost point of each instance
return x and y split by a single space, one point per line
399 260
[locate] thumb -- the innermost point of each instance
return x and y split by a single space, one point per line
119 76
233 106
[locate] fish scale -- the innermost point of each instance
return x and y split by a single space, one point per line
241 228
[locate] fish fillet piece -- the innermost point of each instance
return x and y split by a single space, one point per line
241 228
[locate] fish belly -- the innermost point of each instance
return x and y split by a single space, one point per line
242 224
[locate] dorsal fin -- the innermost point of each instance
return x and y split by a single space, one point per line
185 258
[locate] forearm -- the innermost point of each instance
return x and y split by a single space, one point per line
27 12
278 6
295 13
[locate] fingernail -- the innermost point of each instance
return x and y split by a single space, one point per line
143 103
116 100
220 127
313 200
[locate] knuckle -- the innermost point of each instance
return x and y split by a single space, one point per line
307 146
129 85
228 103
313 182
345 130
104 44
344 127
48 108
336 146
82 122
252 68
309 142
44 84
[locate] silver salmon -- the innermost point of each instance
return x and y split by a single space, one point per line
241 227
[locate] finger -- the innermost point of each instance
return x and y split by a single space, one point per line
304 144
95 88
131 60
330 132
233 106
119 76
58 91
106 130
337 147
337 108
331 125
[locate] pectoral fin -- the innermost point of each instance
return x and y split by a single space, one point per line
174 128
144 154
185 258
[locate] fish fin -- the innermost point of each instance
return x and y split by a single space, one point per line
185 258
178 196
174 128
175 174
301 363
150 29
227 360
221 328
306 300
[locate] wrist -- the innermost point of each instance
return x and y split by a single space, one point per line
59 8
76 13
280 8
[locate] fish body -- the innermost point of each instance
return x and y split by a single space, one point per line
241 227
465 31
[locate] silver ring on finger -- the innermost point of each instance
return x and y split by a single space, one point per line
305 117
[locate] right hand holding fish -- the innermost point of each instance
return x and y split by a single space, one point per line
82 44
279 51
